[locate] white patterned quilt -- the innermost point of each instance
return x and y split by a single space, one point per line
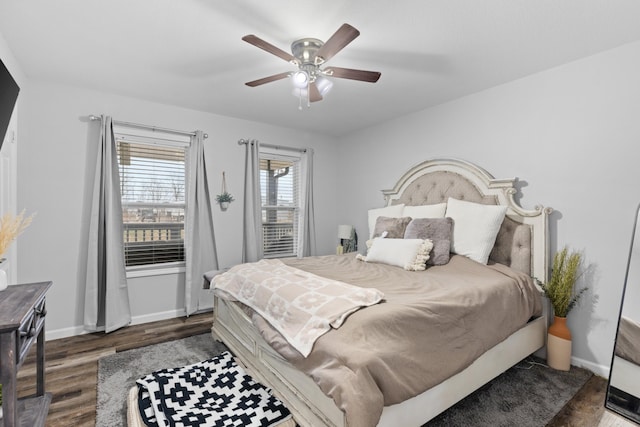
300 305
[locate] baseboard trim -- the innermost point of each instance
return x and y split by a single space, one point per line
154 317
64 333
55 334
597 369
135 320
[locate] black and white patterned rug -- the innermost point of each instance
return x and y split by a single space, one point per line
118 373
213 393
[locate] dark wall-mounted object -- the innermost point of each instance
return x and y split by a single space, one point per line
9 90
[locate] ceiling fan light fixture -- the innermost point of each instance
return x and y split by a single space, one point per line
309 55
300 79
324 85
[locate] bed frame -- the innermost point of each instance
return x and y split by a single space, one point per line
522 244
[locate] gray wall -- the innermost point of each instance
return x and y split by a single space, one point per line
55 172
570 134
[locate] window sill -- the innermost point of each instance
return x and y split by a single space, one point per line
155 271
276 256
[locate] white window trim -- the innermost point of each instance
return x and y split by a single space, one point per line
161 139
293 155
163 142
156 270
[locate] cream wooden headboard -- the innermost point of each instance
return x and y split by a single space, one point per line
522 241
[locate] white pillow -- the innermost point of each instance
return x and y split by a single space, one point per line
394 211
425 211
475 227
410 254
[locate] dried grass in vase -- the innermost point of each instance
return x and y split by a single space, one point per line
10 227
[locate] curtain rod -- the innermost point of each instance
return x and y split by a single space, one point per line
153 128
277 147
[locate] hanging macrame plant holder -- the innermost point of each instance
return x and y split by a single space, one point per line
224 198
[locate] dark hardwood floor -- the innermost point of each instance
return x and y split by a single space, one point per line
72 365
72 374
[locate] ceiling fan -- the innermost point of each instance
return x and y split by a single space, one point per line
310 55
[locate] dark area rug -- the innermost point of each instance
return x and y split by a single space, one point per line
527 395
118 372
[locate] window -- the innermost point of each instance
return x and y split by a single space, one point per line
279 185
152 185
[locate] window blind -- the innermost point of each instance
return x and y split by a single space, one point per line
279 187
152 185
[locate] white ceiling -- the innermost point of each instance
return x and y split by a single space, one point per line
189 53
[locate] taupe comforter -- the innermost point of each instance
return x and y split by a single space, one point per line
432 324
628 341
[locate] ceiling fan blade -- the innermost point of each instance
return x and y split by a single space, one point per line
314 93
258 42
345 35
269 79
348 73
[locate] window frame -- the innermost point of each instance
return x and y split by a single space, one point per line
295 157
160 139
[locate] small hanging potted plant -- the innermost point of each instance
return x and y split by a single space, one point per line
224 198
563 296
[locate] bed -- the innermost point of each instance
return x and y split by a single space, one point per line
520 250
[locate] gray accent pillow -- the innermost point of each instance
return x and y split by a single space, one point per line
393 226
438 230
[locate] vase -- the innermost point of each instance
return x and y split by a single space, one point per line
4 280
559 344
224 205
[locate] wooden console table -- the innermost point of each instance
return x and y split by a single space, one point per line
22 313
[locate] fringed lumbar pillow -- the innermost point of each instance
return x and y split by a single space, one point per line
410 254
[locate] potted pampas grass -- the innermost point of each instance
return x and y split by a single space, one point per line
561 292
10 227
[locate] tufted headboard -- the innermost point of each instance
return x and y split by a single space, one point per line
522 242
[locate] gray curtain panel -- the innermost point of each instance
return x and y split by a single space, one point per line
307 233
252 225
106 305
200 246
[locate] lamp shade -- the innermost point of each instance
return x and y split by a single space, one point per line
344 231
324 85
300 79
